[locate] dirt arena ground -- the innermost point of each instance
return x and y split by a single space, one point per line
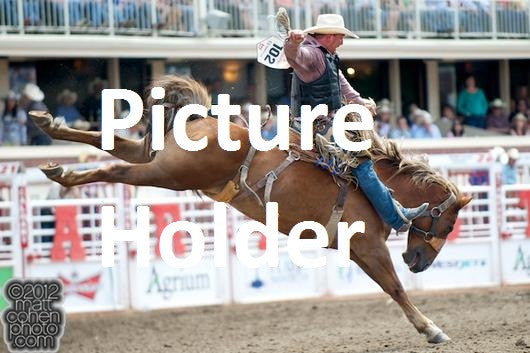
481 320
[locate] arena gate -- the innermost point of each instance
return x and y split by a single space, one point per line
514 229
48 231
64 241
11 224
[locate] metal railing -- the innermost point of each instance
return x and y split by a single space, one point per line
369 18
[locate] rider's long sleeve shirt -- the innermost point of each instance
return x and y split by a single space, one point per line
307 61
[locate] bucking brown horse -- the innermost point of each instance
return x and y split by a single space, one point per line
303 192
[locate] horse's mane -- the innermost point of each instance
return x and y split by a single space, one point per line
420 173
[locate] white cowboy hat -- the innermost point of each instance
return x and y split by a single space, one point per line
12 95
427 118
384 109
497 103
330 24
513 153
97 82
33 92
67 93
520 116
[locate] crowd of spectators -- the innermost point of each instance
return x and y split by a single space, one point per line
176 15
436 16
472 111
16 129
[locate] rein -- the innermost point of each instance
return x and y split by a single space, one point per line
435 213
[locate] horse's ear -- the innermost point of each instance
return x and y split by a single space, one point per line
464 200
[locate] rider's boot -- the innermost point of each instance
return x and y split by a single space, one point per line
391 211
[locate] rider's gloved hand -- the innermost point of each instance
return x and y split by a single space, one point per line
368 103
296 36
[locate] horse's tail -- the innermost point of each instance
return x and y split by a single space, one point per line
179 91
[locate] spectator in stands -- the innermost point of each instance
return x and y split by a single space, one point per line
497 121
32 99
13 122
391 11
509 170
472 104
186 8
413 107
402 131
447 119
437 17
448 113
520 125
66 107
91 107
383 121
457 129
521 108
424 127
31 13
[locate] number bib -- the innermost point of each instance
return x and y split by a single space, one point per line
270 53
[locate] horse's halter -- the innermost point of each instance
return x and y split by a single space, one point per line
435 241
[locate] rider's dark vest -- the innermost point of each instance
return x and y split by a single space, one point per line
323 90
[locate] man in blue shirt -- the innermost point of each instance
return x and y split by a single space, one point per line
424 127
509 170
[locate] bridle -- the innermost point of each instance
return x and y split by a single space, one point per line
435 213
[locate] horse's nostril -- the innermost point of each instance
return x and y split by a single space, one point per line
408 256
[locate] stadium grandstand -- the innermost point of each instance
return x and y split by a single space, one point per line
411 55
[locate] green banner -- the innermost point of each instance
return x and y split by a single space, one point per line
6 273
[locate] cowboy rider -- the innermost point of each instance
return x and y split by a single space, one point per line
317 79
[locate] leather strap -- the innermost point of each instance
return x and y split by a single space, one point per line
336 213
268 179
271 178
243 171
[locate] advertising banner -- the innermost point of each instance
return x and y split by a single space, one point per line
515 261
284 282
460 265
162 286
352 280
87 285
6 273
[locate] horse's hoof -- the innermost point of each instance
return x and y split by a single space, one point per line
51 169
41 118
439 338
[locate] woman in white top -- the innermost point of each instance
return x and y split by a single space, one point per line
13 122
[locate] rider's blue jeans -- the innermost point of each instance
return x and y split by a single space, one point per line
377 193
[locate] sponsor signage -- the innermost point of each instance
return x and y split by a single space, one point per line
353 280
515 260
6 273
460 265
162 286
286 281
87 285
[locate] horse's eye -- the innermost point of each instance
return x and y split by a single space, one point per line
449 229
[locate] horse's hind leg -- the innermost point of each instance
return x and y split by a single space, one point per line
125 149
377 264
147 174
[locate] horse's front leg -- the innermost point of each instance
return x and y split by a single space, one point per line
377 264
131 151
